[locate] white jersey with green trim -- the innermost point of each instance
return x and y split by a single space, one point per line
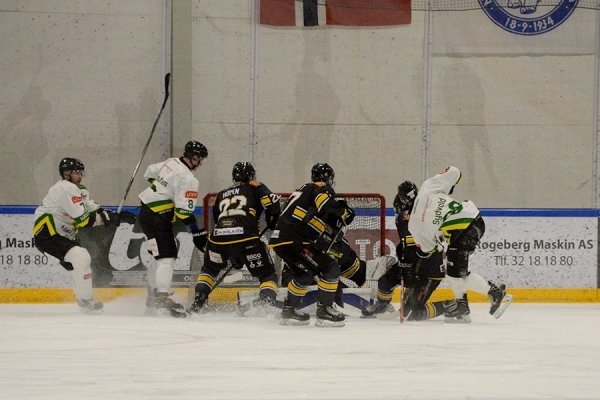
173 186
435 215
65 208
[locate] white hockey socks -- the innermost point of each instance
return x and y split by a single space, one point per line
152 274
458 285
477 284
82 272
164 274
472 282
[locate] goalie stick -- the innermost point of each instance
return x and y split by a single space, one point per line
167 79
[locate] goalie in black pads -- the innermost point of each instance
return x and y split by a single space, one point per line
302 240
235 238
66 208
172 195
421 276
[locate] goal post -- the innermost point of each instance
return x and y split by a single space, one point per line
366 235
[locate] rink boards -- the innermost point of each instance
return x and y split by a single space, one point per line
541 255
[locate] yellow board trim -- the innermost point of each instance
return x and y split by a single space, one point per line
229 295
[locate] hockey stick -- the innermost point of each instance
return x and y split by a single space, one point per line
167 79
402 301
337 234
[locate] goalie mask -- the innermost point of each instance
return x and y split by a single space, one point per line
243 172
194 148
407 192
322 173
70 164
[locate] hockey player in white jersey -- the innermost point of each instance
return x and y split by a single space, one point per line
66 208
440 223
172 195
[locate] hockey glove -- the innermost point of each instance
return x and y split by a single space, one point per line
200 238
126 217
271 220
109 218
323 242
343 211
348 216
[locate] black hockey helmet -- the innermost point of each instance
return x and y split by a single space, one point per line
243 172
193 148
407 192
321 173
69 164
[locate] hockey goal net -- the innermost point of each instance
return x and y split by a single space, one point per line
366 235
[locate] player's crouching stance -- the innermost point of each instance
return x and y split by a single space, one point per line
421 276
236 213
172 195
301 239
442 221
66 208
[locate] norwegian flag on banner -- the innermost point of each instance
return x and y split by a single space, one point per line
335 12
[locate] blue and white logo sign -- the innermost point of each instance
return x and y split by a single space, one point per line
528 17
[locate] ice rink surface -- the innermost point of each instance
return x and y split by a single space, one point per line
533 351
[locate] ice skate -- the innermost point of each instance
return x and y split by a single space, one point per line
291 316
150 303
377 308
499 300
90 306
197 306
457 311
166 305
329 316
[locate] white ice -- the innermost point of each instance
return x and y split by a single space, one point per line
532 351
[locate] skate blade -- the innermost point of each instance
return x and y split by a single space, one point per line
178 313
321 323
461 319
91 312
150 311
284 321
506 301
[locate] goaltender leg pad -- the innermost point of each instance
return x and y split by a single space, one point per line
355 299
377 267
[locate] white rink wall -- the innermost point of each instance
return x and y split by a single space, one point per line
516 114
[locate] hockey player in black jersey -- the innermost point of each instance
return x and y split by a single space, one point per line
302 239
421 276
235 238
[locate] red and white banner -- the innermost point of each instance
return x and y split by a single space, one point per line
335 12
